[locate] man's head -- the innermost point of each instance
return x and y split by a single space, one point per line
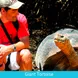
9 8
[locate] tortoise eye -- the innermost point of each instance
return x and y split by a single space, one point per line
61 36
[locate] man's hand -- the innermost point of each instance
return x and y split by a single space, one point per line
4 51
2 57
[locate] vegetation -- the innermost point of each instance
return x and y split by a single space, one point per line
47 16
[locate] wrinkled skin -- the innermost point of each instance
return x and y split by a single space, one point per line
66 59
63 43
48 53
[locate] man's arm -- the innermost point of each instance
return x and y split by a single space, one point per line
23 43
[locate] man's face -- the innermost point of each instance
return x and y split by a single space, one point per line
11 14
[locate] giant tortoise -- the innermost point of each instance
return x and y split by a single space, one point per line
50 55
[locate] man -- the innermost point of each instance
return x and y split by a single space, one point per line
20 56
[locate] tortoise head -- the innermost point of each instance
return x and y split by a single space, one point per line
60 38
63 43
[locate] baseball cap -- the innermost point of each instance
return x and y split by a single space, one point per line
14 4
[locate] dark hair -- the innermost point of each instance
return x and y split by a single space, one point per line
6 8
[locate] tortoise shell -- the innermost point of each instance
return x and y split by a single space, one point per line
50 57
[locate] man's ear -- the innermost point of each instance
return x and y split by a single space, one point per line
3 10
